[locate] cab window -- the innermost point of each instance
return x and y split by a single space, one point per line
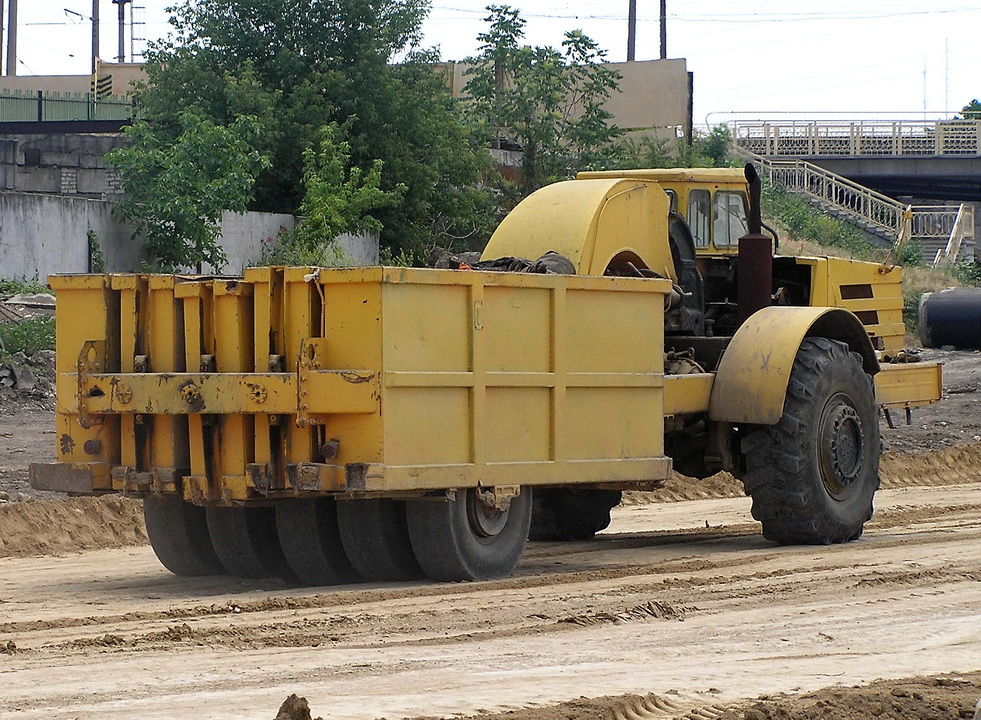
730 218
700 216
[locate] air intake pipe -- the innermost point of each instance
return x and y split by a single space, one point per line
754 286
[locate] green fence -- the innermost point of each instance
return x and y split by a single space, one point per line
40 106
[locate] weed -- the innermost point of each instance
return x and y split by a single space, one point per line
28 336
801 219
13 287
97 261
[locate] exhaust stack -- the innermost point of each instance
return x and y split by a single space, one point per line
754 287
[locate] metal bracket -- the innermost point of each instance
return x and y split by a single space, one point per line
498 497
91 359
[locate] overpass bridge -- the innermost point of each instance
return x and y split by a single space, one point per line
871 170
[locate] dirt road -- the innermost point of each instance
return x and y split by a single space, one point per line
681 610
684 600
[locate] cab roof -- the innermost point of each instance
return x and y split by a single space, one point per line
696 175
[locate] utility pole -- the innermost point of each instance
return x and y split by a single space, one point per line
11 37
664 29
121 56
632 31
95 35
1 34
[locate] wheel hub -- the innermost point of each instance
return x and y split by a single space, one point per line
842 447
485 518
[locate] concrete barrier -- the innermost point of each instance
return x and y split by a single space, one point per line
45 234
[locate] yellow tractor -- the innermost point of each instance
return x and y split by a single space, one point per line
324 425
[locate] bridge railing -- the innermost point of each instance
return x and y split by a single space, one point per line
861 137
927 224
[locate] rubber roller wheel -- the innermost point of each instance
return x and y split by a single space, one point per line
179 536
247 543
467 539
571 514
376 539
311 541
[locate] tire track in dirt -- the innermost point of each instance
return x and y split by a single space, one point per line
666 576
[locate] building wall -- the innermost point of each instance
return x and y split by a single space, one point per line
654 95
124 75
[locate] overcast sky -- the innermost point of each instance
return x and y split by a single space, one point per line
836 58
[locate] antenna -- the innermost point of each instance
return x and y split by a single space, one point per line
137 32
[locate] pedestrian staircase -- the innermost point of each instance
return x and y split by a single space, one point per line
944 233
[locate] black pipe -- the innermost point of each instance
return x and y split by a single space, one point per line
951 317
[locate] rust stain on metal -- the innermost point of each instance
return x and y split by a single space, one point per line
356 379
67 443
192 396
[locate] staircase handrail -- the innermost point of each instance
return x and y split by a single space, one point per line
918 222
962 229
846 195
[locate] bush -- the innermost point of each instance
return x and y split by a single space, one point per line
28 336
968 272
910 254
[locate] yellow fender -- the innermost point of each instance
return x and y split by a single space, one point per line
590 222
751 382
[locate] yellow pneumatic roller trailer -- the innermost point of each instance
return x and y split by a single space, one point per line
323 425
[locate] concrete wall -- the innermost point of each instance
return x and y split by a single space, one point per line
45 234
65 164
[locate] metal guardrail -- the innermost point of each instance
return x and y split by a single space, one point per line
40 106
860 137
926 224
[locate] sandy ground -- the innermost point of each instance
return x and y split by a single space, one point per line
680 610
682 600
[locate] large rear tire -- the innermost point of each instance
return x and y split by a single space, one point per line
178 533
465 539
376 539
813 475
311 541
246 542
571 514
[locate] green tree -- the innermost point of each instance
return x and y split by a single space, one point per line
338 198
972 111
301 65
177 189
547 102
